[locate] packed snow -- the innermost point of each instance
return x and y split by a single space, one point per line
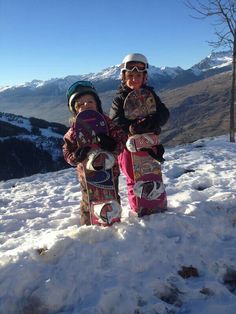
181 261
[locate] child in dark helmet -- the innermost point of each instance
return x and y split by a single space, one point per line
134 76
83 96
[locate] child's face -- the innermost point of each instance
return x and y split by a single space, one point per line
134 79
85 102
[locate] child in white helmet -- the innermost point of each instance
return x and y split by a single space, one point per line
134 69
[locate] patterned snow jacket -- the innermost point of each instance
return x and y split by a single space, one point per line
117 111
70 145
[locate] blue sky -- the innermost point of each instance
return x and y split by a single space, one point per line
43 39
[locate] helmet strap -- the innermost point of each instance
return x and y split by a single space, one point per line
145 77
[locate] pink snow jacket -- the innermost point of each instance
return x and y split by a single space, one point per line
70 145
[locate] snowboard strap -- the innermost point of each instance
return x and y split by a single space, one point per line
109 160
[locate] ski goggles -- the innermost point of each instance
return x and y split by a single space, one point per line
135 66
79 85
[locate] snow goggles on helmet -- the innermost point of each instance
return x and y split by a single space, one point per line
135 66
79 86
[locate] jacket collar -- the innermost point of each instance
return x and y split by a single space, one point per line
125 90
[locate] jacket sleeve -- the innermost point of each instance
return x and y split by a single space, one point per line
69 147
162 112
117 114
118 135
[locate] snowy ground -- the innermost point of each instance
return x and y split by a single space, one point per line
49 265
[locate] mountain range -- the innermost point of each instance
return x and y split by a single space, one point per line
214 63
185 92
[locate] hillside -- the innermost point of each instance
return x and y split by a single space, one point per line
198 110
29 146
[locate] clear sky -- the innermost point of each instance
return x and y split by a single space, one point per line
43 39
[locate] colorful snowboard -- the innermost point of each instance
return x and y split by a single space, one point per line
149 187
103 205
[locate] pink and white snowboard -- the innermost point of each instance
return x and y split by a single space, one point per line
149 187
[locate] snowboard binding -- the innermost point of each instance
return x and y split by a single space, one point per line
100 160
137 142
146 142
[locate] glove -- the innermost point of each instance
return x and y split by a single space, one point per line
81 153
157 154
106 142
144 125
140 126
160 150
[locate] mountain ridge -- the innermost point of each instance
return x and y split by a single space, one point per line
213 61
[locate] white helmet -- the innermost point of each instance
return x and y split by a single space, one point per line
134 57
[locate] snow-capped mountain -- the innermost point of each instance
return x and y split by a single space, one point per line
214 61
110 73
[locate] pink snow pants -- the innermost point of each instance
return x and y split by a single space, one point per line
125 164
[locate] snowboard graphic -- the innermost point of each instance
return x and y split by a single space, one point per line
149 188
97 169
137 142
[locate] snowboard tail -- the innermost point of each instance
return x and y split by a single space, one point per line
149 188
105 213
